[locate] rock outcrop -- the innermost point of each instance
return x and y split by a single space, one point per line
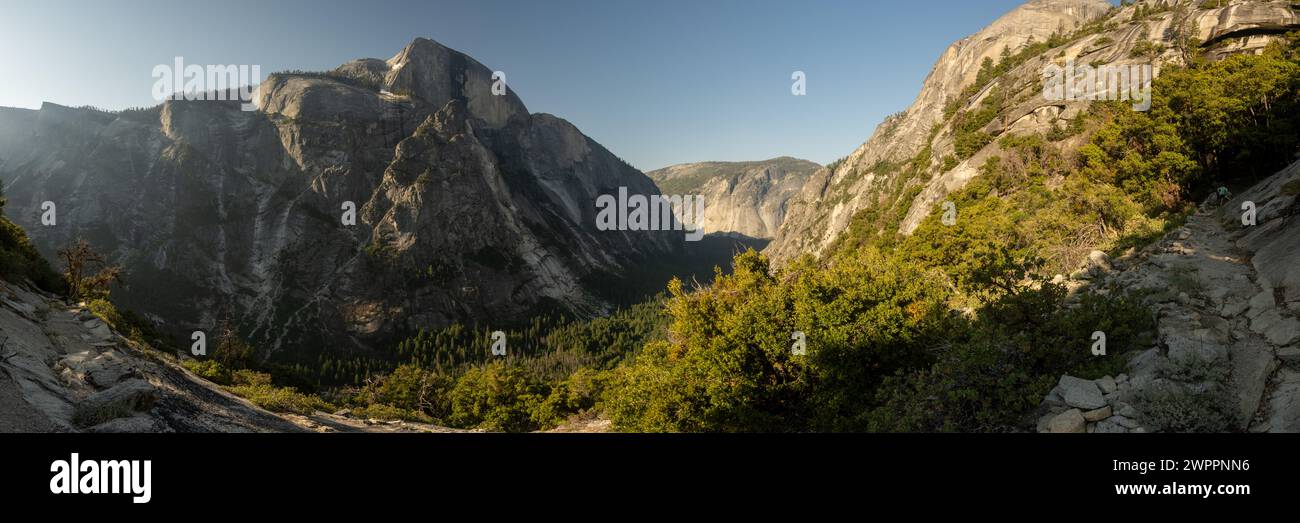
741 198
64 370
467 206
1228 317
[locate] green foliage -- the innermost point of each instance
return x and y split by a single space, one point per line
210 370
555 369
728 364
498 397
1146 49
1146 10
256 387
952 328
1074 128
1237 119
138 329
231 350
1175 406
949 163
873 322
968 126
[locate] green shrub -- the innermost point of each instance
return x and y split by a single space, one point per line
380 411
209 370
496 397
729 366
1178 407
256 387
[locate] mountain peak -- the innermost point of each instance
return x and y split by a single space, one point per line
437 74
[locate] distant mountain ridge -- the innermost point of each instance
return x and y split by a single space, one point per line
745 198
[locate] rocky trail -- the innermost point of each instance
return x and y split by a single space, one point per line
1225 298
62 369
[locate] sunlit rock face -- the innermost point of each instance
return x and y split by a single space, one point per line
825 205
741 198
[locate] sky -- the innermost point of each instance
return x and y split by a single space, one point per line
657 82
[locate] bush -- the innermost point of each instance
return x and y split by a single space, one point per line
135 327
496 397
1000 365
256 387
209 370
1179 407
728 365
380 411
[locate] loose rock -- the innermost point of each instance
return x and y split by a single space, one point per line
1081 393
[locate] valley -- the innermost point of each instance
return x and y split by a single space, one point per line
400 245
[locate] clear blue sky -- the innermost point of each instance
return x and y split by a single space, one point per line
657 82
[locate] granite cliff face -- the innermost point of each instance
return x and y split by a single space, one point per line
467 206
741 198
869 176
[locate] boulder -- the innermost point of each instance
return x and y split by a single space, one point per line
106 370
1107 384
121 400
1107 426
97 330
1080 393
1099 263
1068 422
1097 415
